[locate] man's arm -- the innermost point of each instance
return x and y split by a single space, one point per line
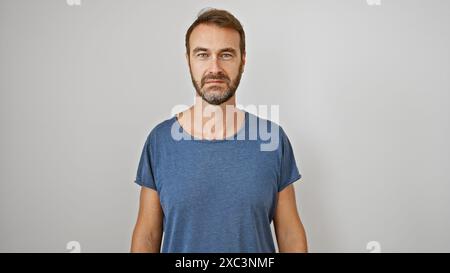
148 232
291 236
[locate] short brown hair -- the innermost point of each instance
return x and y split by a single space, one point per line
218 17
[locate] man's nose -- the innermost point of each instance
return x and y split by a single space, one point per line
214 66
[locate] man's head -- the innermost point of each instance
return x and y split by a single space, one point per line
215 51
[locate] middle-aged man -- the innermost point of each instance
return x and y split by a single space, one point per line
217 189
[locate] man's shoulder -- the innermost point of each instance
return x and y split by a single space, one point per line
259 123
162 128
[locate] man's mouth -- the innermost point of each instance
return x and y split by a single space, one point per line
215 81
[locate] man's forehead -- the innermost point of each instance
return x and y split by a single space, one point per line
214 38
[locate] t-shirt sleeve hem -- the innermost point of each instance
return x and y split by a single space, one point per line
140 183
292 180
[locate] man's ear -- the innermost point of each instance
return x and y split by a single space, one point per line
244 59
187 57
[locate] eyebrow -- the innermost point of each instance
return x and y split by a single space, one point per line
227 49
197 49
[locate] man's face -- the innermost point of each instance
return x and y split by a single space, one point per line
215 62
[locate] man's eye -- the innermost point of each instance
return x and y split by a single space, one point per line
202 55
227 55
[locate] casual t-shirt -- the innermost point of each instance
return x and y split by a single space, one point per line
218 195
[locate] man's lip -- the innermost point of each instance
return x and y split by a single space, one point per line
214 81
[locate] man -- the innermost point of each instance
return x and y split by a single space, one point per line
205 190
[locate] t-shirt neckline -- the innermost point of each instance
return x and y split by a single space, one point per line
233 137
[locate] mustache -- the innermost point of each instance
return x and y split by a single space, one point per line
221 77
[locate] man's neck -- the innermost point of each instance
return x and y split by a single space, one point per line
207 121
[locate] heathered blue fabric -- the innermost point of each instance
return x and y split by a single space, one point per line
217 195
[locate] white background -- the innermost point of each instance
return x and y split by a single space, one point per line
364 95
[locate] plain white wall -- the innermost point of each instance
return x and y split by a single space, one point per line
364 94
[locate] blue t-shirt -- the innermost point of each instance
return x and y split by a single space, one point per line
218 195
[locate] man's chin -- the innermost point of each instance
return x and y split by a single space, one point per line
216 88
215 95
215 100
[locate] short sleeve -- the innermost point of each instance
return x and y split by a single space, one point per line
144 176
289 172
